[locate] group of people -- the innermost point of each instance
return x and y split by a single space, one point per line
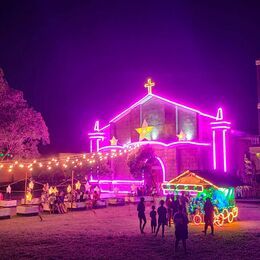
56 200
176 212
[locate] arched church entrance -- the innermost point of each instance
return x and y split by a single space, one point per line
154 174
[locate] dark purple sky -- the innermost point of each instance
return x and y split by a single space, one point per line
78 61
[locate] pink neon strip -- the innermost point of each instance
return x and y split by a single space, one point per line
104 127
97 137
163 168
117 181
96 134
164 99
214 151
224 151
110 191
131 107
111 147
220 122
170 144
220 127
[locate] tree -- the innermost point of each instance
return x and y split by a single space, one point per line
22 129
140 161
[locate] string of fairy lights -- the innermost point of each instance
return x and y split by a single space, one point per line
64 162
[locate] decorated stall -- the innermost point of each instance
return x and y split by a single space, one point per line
220 189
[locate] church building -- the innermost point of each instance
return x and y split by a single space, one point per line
182 137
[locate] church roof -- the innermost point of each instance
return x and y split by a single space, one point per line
148 97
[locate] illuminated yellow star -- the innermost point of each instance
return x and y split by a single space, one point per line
113 141
144 131
181 136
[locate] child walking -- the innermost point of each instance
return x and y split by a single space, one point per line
153 219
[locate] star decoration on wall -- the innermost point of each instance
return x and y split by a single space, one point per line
113 141
144 131
77 185
181 136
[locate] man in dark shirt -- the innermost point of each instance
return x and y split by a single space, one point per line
209 216
162 219
181 228
141 214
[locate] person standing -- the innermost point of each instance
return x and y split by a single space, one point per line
153 219
209 216
181 228
162 218
141 215
169 209
184 202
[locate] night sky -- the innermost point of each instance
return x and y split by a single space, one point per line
78 61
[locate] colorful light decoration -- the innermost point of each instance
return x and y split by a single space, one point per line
67 162
53 190
77 185
69 189
144 131
31 185
28 196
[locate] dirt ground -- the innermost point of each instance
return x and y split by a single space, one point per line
112 233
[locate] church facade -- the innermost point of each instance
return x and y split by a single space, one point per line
183 138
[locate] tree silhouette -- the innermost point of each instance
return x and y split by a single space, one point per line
22 128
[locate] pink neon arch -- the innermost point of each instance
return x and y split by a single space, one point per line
163 167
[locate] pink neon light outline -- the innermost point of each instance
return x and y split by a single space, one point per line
96 126
112 147
149 96
219 114
163 167
214 150
99 137
220 122
91 146
155 142
131 107
96 134
224 150
104 127
170 144
116 181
